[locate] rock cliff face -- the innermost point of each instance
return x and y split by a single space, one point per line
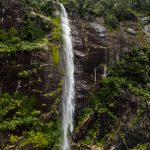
133 123
31 73
95 49
28 72
11 13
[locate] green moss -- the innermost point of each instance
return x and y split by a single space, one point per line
56 33
37 91
27 73
39 79
23 74
56 92
55 54
51 94
55 40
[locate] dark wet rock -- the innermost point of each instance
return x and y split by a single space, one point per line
140 133
44 77
11 13
133 124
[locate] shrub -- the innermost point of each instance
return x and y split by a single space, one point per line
112 21
12 32
3 35
20 119
23 74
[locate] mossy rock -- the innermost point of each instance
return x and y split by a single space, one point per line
23 74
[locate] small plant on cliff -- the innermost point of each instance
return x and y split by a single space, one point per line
112 21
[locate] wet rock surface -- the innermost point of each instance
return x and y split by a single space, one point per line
42 76
11 13
133 124
95 48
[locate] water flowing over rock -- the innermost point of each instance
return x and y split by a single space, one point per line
68 87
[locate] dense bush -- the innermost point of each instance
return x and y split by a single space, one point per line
19 117
122 12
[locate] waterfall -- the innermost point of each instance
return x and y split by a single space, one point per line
68 87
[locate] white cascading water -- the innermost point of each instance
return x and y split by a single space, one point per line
68 87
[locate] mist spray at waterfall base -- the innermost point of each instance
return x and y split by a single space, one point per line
68 86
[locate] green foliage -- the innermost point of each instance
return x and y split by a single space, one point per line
112 21
31 38
23 74
34 28
42 6
31 31
111 10
8 35
55 54
142 41
23 45
23 109
3 35
132 73
26 73
91 135
132 67
141 147
38 139
103 100
123 12
18 116
85 114
143 93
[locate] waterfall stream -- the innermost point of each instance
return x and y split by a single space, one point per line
68 87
